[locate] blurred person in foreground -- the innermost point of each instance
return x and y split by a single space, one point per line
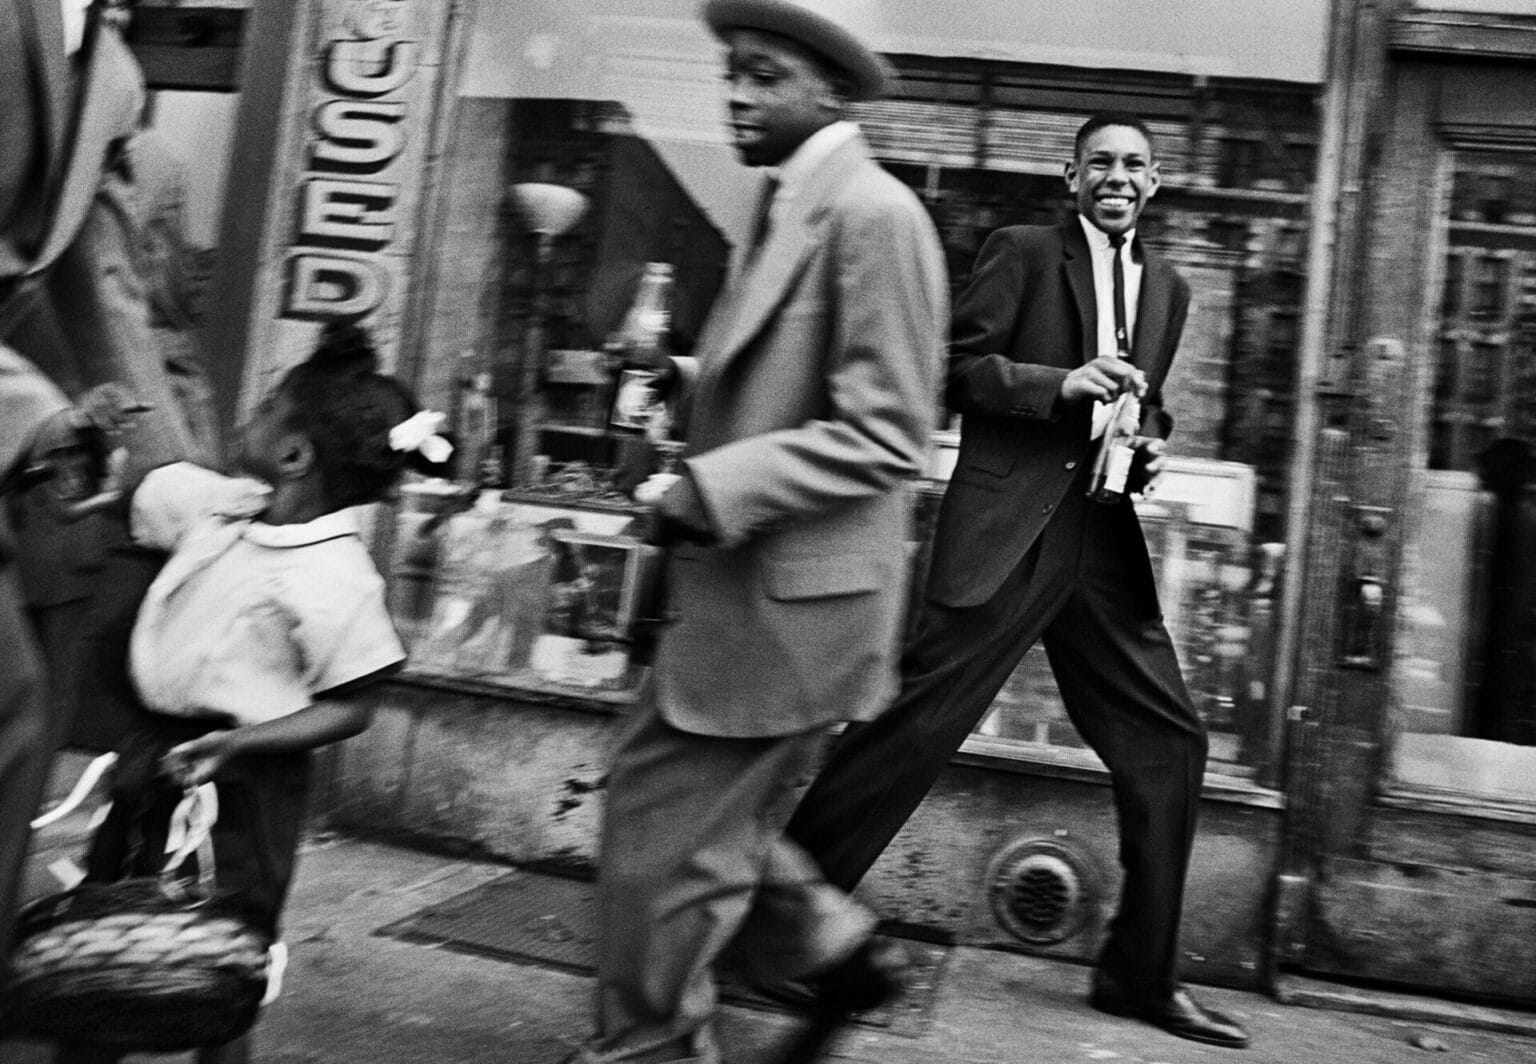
809 401
70 335
60 449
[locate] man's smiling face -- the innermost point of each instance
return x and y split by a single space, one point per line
1112 177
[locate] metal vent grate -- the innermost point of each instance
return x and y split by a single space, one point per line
1041 890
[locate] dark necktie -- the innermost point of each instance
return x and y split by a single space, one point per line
760 224
1122 333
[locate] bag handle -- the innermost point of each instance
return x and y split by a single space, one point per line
192 832
192 821
83 787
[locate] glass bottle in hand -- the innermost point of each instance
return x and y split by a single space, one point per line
1117 450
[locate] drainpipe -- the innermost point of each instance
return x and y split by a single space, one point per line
1324 239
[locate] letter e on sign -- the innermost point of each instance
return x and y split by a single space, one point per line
357 214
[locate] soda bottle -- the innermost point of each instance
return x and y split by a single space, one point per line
642 338
1117 450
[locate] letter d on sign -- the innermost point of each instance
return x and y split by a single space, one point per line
332 286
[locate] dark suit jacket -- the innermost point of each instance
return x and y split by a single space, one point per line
1027 319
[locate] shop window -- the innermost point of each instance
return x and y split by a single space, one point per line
1218 588
1240 162
1455 271
1490 287
1464 677
527 569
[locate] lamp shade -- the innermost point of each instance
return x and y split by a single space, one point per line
549 210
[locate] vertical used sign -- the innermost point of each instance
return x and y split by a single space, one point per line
342 241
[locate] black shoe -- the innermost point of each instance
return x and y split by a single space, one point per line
797 994
874 975
1178 1013
877 972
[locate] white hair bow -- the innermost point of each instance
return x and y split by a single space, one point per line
419 433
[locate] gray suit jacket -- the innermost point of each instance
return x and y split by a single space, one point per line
814 397
27 400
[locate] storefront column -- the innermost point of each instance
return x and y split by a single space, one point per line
329 196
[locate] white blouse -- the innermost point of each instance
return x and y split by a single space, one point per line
250 620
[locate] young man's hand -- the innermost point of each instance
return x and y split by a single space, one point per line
1148 463
1103 379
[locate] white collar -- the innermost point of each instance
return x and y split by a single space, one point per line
812 152
333 525
1098 239
75 13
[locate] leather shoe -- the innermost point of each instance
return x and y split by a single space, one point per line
877 972
875 961
1178 1012
797 994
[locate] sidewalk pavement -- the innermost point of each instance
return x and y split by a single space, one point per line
354 997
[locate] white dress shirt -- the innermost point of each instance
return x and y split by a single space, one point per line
792 173
1103 256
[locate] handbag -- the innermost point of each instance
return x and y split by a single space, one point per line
157 963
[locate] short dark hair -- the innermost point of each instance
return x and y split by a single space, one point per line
1102 119
346 407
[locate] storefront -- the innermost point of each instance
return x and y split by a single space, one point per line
1409 849
1342 558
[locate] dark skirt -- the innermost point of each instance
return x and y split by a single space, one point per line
262 801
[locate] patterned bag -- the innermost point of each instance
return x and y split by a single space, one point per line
144 963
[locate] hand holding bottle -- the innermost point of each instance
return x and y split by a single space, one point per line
1148 464
1102 380
1118 447
641 342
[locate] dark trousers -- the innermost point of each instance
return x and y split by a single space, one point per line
25 752
263 800
1085 588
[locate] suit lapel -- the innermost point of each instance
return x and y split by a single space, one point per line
758 291
1077 261
1152 312
112 95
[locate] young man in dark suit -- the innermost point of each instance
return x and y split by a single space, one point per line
1022 554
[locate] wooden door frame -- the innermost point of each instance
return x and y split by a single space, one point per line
1373 884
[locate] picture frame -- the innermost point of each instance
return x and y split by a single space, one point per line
598 585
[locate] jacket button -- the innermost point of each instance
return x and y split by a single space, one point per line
1046 508
1071 465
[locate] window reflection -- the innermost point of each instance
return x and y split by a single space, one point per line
1464 682
1218 587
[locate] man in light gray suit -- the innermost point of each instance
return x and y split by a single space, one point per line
810 400
62 116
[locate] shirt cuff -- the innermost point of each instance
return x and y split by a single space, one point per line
684 505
